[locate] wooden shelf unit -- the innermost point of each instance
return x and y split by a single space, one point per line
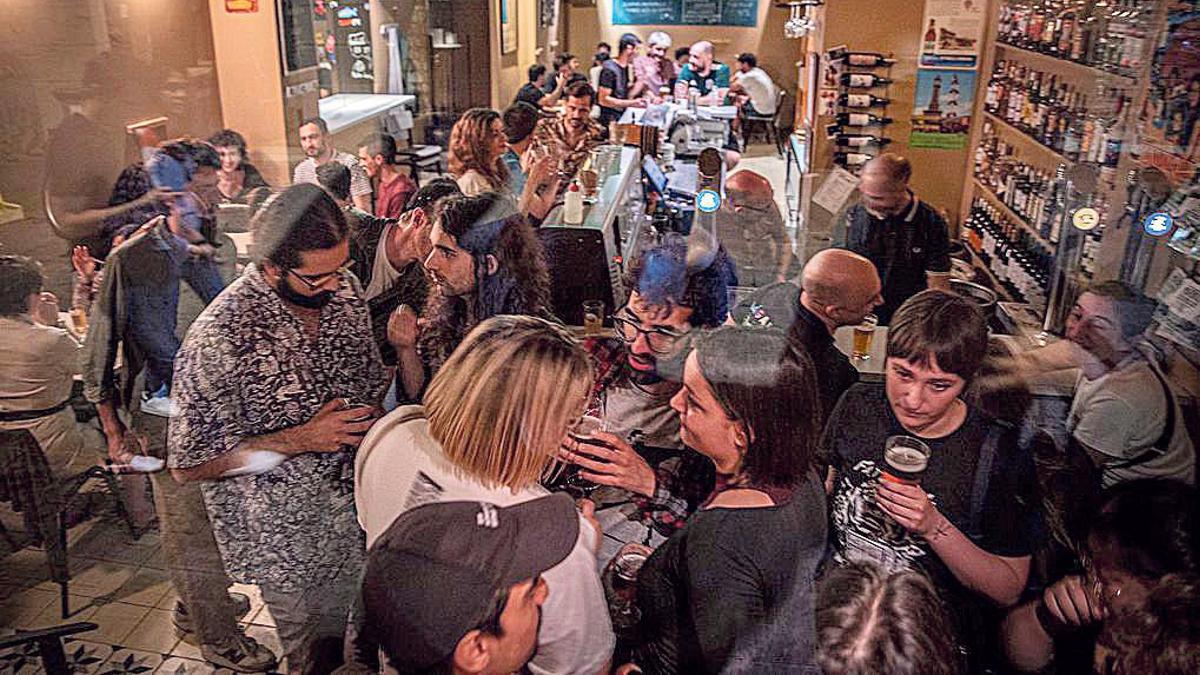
1063 67
987 194
1029 146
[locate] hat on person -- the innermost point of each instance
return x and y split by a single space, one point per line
433 575
630 37
774 305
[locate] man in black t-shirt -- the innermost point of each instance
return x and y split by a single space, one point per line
968 522
906 239
616 82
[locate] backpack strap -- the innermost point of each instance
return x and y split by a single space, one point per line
1160 446
983 476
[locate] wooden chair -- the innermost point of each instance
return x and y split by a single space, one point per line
27 482
771 125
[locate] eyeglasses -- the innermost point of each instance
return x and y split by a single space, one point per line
315 281
660 340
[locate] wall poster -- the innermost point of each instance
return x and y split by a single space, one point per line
1169 133
951 33
941 117
508 27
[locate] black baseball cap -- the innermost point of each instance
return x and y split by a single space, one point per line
432 576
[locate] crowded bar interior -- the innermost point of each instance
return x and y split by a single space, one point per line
589 337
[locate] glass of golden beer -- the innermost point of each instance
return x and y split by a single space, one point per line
79 321
864 333
593 317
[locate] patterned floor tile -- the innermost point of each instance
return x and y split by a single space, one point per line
131 662
21 660
154 633
86 657
176 665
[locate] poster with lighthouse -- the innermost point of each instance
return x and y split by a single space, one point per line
941 117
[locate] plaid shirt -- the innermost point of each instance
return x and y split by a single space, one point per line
682 481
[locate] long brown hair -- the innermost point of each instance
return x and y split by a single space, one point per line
470 144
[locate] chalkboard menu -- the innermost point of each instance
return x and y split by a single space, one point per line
686 12
296 34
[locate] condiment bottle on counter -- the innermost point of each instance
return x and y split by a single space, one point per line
573 205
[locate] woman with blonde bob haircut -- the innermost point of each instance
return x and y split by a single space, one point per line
487 431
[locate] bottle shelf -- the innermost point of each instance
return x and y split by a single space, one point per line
1013 215
979 264
1026 143
1058 65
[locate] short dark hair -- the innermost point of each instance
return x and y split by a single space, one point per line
869 621
433 192
184 150
748 59
335 177
519 121
662 276
301 218
763 381
582 90
628 40
20 277
681 52
600 57
1134 310
319 121
563 59
381 144
228 138
942 326
535 71
603 46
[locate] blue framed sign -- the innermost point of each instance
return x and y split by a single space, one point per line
685 12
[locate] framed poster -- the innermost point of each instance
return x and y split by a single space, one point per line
951 33
685 12
508 27
941 117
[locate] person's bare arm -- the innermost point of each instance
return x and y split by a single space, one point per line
90 222
402 334
607 100
714 97
549 100
363 202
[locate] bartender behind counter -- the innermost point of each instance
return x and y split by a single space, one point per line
904 237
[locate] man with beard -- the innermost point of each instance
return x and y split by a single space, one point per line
649 483
276 384
318 149
571 136
485 261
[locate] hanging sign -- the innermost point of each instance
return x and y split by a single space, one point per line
951 33
1158 224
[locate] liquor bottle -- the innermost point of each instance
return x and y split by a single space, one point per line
861 141
861 119
931 38
863 80
850 159
867 59
862 101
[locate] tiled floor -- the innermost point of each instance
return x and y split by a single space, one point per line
117 583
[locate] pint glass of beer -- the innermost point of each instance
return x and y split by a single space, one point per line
864 333
905 459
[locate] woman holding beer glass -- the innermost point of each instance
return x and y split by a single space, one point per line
747 558
922 480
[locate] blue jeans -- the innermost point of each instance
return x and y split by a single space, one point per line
153 297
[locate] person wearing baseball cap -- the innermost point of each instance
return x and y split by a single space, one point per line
456 587
617 91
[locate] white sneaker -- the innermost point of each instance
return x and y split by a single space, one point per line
162 406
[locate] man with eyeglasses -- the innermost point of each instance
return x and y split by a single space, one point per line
277 382
649 484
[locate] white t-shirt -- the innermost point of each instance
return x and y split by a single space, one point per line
761 89
360 184
1121 414
400 466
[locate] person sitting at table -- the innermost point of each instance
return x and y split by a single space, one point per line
653 68
709 76
756 91
751 228
477 142
745 562
571 136
534 91
650 484
377 154
237 176
520 119
567 65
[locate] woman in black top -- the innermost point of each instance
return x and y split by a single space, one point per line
749 403
237 176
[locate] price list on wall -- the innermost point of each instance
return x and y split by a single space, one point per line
685 12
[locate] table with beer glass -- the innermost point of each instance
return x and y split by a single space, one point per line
871 367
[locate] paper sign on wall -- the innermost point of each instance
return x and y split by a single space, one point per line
941 117
951 33
241 6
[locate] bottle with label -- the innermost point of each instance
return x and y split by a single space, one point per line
860 141
931 37
862 101
863 80
573 205
867 59
851 159
861 119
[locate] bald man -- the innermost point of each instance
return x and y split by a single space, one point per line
837 288
710 77
750 226
906 238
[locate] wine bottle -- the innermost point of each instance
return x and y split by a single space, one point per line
867 59
861 141
863 80
862 119
862 100
851 158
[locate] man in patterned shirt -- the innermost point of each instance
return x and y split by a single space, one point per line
318 149
571 136
276 383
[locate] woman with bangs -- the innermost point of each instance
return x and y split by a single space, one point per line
487 430
968 520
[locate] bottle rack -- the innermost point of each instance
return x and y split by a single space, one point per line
1063 80
858 128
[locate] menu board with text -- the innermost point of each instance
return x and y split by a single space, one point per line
685 12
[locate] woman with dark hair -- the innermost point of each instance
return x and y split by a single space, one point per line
751 551
1145 539
237 176
869 621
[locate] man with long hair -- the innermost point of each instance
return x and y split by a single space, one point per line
485 261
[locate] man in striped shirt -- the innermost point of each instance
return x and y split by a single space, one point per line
318 149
